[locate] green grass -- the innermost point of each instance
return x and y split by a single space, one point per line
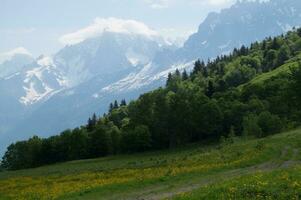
195 172
279 184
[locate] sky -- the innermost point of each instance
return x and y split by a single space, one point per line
44 26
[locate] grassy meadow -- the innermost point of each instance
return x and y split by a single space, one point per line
266 168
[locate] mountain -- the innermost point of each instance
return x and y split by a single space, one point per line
14 64
241 24
220 33
36 96
57 92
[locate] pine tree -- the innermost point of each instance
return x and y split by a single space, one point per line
205 72
177 73
197 67
94 119
275 44
92 122
123 102
184 75
111 107
283 55
264 45
243 50
299 32
115 104
169 79
210 89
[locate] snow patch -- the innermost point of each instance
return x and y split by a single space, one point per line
45 61
95 95
11 76
144 77
135 58
33 96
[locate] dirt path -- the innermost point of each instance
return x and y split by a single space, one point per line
168 190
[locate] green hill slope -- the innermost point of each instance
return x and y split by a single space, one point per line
220 124
209 172
251 91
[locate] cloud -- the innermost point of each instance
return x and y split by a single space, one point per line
176 36
101 25
220 2
158 4
8 55
212 3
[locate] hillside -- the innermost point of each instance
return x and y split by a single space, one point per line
251 92
245 169
221 124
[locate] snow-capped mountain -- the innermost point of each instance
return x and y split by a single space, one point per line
57 92
14 64
241 24
40 91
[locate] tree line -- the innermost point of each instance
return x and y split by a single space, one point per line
216 99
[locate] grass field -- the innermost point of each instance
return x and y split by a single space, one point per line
268 168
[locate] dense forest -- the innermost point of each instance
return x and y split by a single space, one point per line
253 92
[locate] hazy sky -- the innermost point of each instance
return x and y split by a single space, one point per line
39 25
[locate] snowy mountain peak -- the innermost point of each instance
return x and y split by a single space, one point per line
110 25
15 62
7 56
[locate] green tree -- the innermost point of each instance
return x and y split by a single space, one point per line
299 32
111 107
92 122
269 123
295 85
251 127
116 105
184 75
210 89
283 55
137 140
123 102
100 142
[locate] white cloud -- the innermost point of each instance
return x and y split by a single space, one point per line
220 2
101 25
176 36
158 4
8 55
212 3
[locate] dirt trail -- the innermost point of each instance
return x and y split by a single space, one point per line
167 191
